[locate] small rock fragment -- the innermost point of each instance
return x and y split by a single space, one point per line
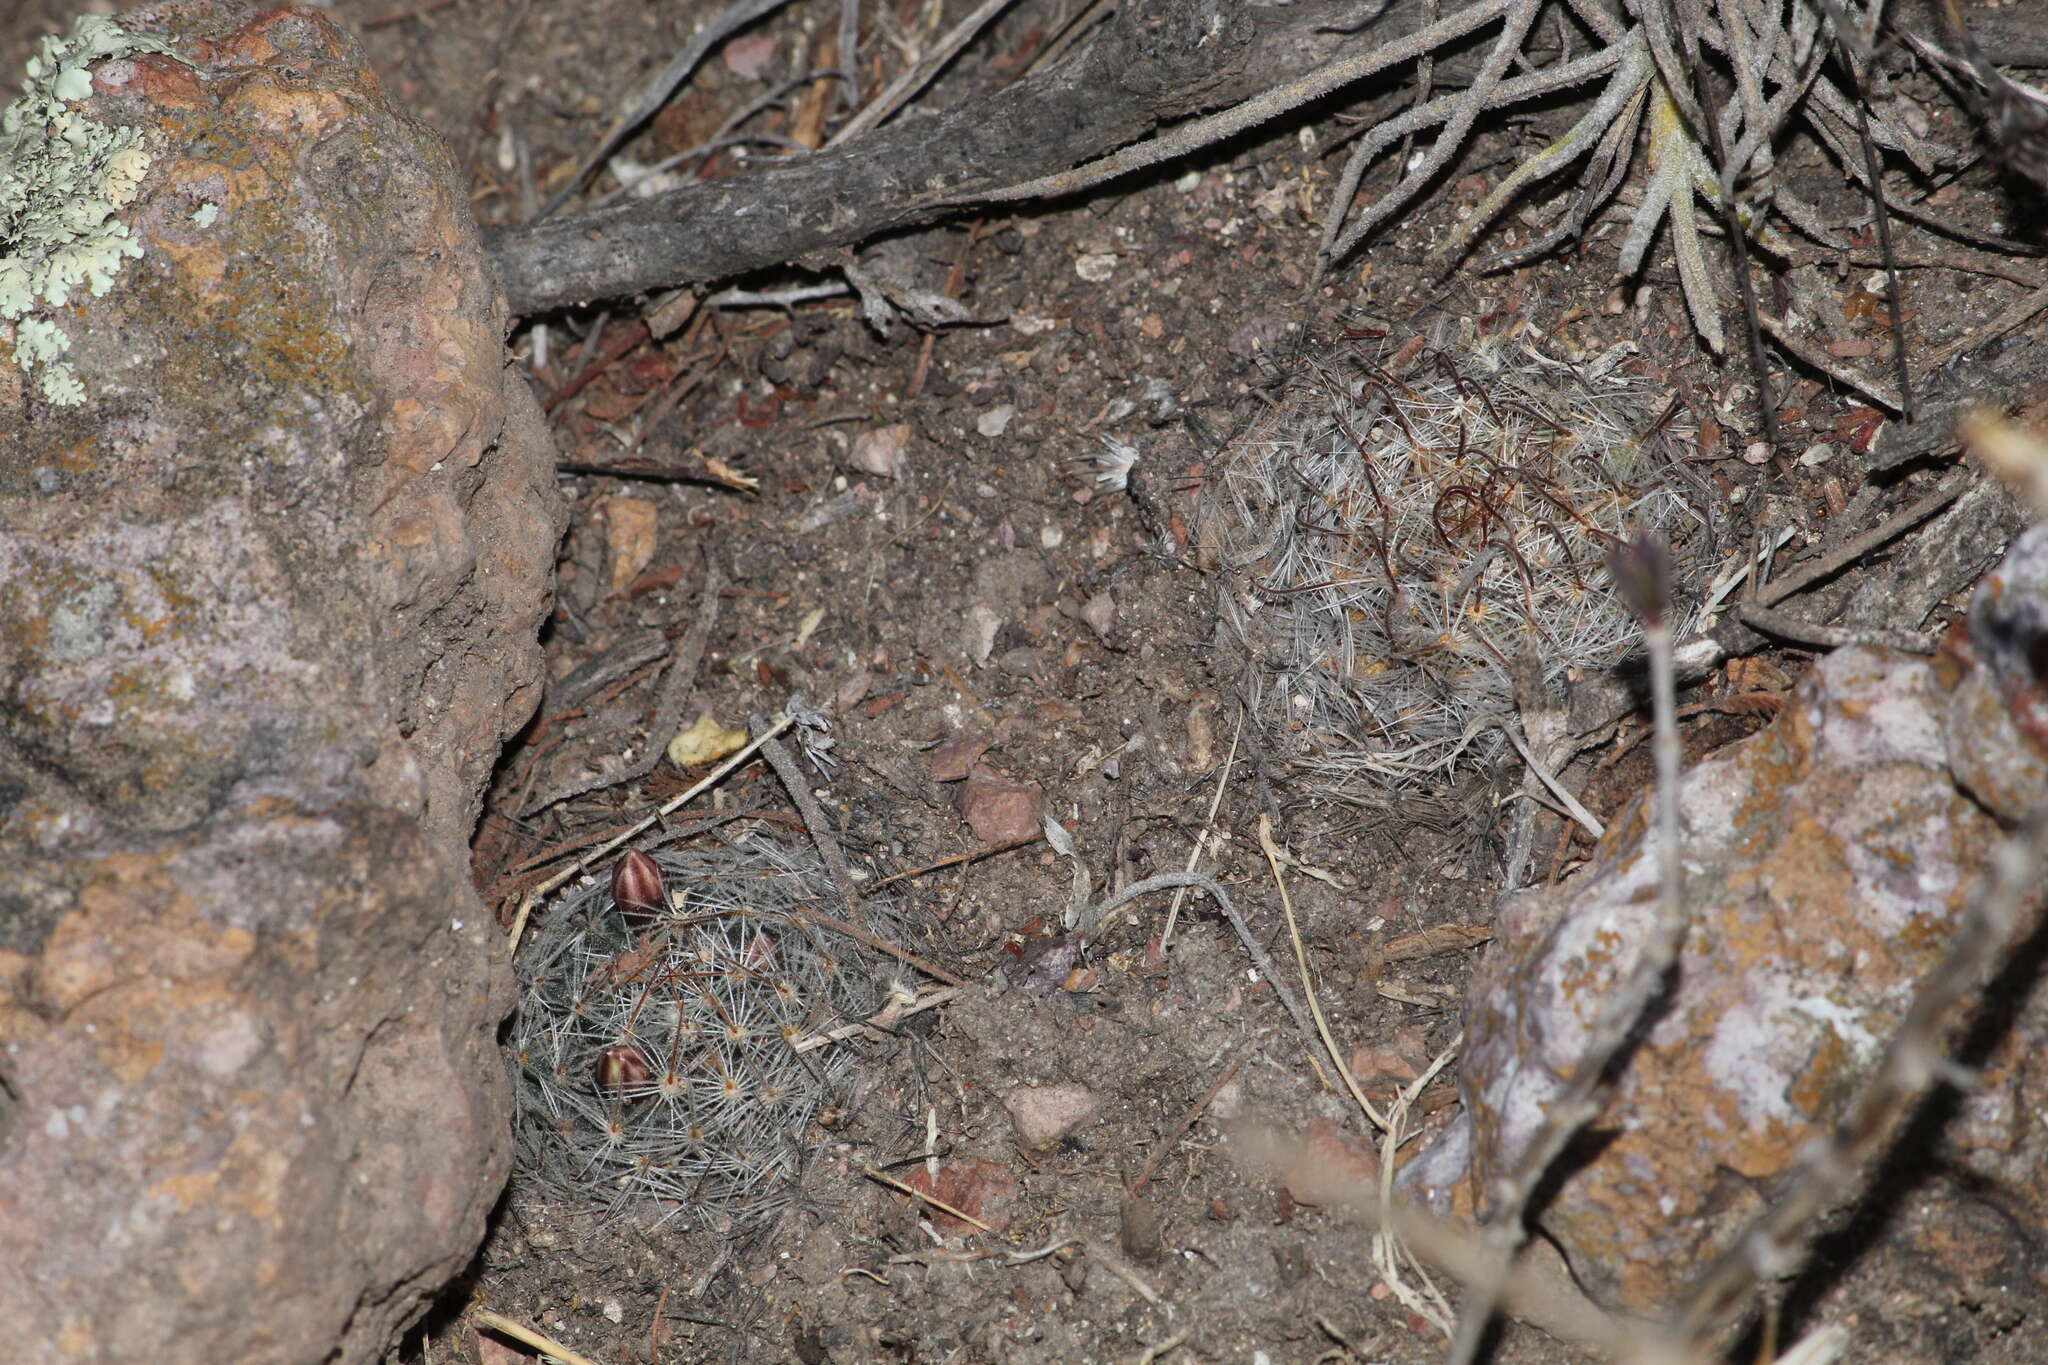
978 629
1332 1166
956 758
1386 1065
631 523
1100 613
981 1189
1095 266
998 808
1043 1114
880 452
1140 1233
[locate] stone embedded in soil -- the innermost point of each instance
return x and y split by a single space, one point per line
955 758
1333 1165
1044 1114
1100 613
1828 858
999 809
269 603
982 1189
1390 1063
880 451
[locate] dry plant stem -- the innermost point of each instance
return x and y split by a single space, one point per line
678 685
920 74
583 864
849 52
1849 551
1577 811
1784 625
1874 171
1687 11
1069 33
721 26
1578 1102
1203 837
845 1031
2005 904
880 944
2015 316
1166 880
814 821
971 855
1159 1350
941 1205
1120 1268
788 208
1308 985
1192 137
1180 1130
1389 1252
1559 1310
1482 93
504 1326
1959 259
1834 369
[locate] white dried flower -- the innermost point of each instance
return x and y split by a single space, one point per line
1113 464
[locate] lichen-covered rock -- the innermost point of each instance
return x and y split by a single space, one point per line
269 597
1827 859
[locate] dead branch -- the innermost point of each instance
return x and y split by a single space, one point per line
1162 62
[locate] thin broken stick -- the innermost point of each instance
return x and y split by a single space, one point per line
1206 834
814 821
655 93
941 1205
875 1023
1165 880
526 1336
678 685
583 864
1308 987
919 73
1172 1140
986 850
1851 550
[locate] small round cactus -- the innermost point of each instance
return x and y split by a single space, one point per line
658 1020
1412 525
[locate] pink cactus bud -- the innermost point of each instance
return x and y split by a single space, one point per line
622 1069
637 887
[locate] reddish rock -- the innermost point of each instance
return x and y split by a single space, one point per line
982 1189
1333 1165
269 600
955 758
1828 857
998 808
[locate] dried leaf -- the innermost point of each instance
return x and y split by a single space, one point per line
706 741
632 524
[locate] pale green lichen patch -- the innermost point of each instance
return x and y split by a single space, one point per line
63 177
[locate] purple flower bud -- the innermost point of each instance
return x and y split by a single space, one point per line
623 1069
637 888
